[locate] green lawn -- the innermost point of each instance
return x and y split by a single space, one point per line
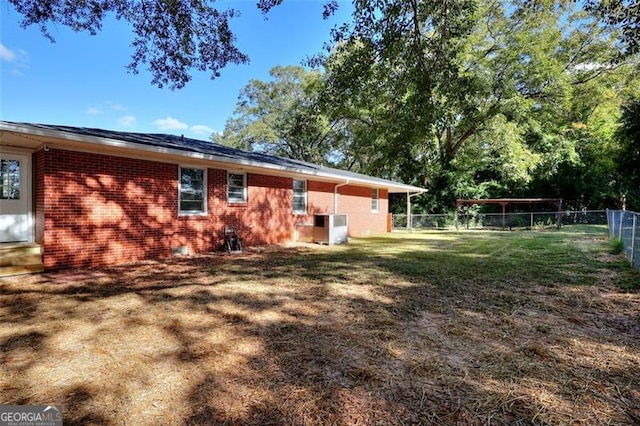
405 328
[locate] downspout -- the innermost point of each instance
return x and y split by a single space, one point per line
335 195
409 221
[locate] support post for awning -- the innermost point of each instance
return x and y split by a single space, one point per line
408 211
409 220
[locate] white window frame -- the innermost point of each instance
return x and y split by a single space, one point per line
304 196
375 200
204 192
244 188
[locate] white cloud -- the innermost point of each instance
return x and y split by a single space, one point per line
170 123
6 54
115 107
101 107
200 129
127 120
19 60
589 66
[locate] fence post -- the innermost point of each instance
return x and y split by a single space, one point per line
633 237
621 222
532 221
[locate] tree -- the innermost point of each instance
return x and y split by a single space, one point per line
171 36
580 144
468 95
623 14
394 73
628 158
281 117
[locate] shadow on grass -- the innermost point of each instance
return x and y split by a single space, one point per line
450 329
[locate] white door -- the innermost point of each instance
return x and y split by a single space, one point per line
15 198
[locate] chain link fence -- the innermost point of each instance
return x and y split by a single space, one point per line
528 220
625 226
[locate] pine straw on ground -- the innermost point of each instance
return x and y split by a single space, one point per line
397 330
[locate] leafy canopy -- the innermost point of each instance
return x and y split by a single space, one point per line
281 117
471 98
628 155
474 96
623 14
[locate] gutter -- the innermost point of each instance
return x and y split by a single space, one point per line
335 195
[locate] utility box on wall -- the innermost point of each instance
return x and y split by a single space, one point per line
330 229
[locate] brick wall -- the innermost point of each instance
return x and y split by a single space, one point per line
356 202
102 209
38 173
94 209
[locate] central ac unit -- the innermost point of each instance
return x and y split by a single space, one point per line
330 229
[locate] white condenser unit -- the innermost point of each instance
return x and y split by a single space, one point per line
330 229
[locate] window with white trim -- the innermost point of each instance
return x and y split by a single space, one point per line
236 187
192 191
9 180
374 200
299 196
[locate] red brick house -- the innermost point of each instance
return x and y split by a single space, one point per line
89 197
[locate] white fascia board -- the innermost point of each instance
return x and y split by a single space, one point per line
152 149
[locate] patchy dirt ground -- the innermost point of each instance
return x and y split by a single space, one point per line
421 329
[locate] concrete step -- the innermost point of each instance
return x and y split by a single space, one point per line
7 271
20 258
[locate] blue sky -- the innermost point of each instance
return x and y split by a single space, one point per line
81 80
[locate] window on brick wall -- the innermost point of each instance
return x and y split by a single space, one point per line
374 200
192 191
299 196
237 187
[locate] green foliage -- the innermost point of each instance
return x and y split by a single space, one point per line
470 98
281 117
392 73
628 155
624 14
480 98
